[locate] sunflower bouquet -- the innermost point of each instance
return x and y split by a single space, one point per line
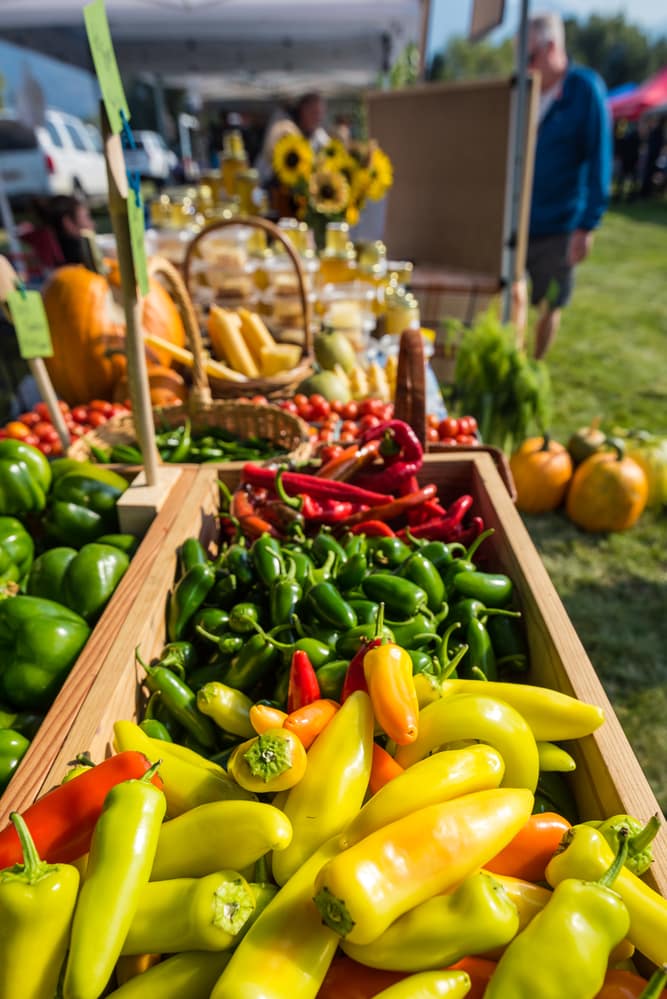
334 183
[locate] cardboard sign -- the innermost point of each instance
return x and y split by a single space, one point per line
106 67
486 15
30 323
135 218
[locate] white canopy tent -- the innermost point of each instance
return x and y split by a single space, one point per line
255 48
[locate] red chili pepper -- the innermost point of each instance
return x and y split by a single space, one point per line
373 529
402 452
296 483
303 687
354 677
447 527
350 461
396 507
242 509
61 822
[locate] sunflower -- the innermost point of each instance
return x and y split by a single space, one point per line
329 192
360 184
352 214
381 175
292 159
333 156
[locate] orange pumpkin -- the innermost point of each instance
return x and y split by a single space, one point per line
541 469
165 385
608 492
88 333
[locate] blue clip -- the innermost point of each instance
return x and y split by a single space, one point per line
134 180
19 285
127 131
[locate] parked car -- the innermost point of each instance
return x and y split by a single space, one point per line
152 157
62 156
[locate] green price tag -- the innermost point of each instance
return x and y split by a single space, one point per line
106 67
135 218
30 323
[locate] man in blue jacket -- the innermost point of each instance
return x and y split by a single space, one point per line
572 173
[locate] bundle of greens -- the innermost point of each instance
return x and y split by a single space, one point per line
508 392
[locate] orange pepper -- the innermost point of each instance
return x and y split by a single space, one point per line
309 720
383 769
391 686
528 854
623 985
480 970
265 716
352 980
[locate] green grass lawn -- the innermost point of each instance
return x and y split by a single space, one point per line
610 360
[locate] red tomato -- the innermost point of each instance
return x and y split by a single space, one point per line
320 405
349 427
300 399
374 406
3 434
119 407
466 440
432 435
45 431
101 406
18 430
347 438
350 410
449 441
467 425
30 419
31 439
329 452
289 406
80 414
305 411
432 420
449 427
42 410
368 421
96 419
336 406
325 434
259 400
44 447
56 447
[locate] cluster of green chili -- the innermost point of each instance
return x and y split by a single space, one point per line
179 444
61 558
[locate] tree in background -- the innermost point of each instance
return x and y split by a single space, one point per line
462 59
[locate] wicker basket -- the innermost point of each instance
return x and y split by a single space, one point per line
268 423
284 382
410 405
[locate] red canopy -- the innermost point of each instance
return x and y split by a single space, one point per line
651 94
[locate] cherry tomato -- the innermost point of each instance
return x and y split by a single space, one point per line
466 440
101 406
289 406
350 410
376 407
320 406
42 410
119 407
467 425
259 400
31 439
30 419
45 447
329 452
432 420
45 431
368 421
349 427
449 441
449 427
336 406
300 399
18 430
96 419
325 434
56 447
80 414
346 437
432 435
306 411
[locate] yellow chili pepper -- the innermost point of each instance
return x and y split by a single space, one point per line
185 784
441 777
429 985
528 897
552 715
232 834
227 707
332 790
388 673
366 887
192 974
555 758
586 854
478 716
265 716
473 918
190 914
273 761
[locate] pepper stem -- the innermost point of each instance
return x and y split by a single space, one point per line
655 984
477 542
33 865
294 502
379 621
150 773
269 756
641 840
233 903
608 878
334 912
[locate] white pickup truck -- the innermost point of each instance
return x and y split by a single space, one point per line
23 162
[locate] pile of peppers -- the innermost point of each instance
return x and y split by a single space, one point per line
61 558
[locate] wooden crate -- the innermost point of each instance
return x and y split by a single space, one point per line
608 779
33 775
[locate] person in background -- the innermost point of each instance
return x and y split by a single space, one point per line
66 219
305 118
572 173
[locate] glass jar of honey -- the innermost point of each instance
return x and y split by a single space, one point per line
233 161
402 311
338 259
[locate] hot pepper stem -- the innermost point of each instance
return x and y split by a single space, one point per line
477 542
232 906
226 494
334 912
33 865
294 502
639 842
150 773
268 757
608 878
655 984
379 621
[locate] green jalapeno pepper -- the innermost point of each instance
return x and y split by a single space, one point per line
236 561
267 559
388 552
191 553
331 677
187 597
493 589
324 543
155 729
303 564
354 544
554 794
13 747
440 554
480 660
421 571
257 657
284 597
329 605
179 657
243 617
211 619
228 644
401 597
405 632
422 662
509 642
180 700
225 593
351 573
349 642
325 633
206 674
366 610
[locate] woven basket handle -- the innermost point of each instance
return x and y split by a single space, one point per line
410 405
275 233
158 267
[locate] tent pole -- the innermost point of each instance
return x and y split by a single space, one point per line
516 169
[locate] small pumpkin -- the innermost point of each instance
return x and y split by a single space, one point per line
586 441
650 453
608 491
166 387
88 338
541 469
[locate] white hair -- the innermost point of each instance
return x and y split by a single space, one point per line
547 27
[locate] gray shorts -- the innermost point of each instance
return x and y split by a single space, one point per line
551 277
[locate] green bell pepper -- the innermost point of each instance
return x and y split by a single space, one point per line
82 506
39 642
16 550
25 478
13 747
83 581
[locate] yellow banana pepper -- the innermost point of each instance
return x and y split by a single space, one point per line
586 854
477 916
362 890
332 790
231 834
481 717
555 758
185 784
272 761
192 974
440 777
552 715
429 985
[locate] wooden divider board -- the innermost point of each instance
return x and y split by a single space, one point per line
34 774
608 779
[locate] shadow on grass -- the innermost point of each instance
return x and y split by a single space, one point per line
653 210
